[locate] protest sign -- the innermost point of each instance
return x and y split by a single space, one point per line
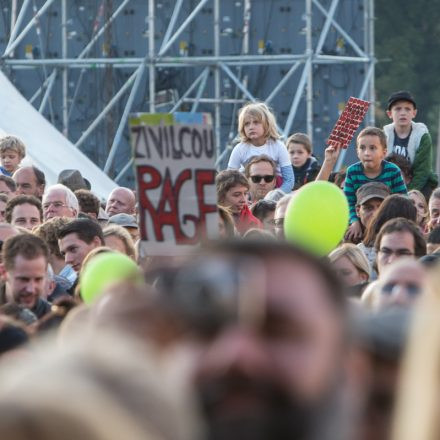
348 123
175 176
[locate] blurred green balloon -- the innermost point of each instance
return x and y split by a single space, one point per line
103 270
317 217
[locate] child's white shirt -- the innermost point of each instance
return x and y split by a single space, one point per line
243 152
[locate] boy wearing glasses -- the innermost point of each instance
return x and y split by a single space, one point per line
261 174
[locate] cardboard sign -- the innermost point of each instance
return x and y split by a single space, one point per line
175 176
348 122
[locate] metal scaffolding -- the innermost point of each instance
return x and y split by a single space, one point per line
216 65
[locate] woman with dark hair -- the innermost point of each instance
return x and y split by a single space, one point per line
393 206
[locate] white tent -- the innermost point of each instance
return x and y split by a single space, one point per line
46 147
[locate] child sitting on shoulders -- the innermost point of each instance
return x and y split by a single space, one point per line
371 150
12 152
259 135
305 165
411 140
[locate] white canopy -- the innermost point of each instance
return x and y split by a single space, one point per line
46 147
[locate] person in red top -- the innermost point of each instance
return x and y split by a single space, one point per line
232 192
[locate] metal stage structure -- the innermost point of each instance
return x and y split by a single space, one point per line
87 64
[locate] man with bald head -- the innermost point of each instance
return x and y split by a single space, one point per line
121 200
30 181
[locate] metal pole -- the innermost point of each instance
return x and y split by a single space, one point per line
65 71
371 53
341 30
151 51
171 24
217 107
213 101
309 53
17 24
51 82
86 50
281 84
296 99
139 75
200 90
24 32
329 18
124 170
106 109
188 92
13 14
43 55
237 82
183 26
367 81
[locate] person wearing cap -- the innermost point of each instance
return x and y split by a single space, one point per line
369 198
128 222
411 140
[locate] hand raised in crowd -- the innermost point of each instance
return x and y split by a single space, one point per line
331 155
354 232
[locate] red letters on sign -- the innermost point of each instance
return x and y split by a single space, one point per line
167 212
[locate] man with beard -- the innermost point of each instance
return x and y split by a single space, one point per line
272 324
25 259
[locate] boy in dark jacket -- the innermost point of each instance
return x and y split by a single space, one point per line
305 166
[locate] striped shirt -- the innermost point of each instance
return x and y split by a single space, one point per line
390 176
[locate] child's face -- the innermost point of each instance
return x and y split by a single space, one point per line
371 152
298 154
402 113
254 130
10 160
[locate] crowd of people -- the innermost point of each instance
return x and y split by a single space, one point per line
248 337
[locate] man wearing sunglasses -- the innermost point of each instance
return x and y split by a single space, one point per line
261 173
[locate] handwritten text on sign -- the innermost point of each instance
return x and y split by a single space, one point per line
174 162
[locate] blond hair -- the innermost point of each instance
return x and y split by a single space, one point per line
124 236
420 195
416 414
261 112
354 254
12 143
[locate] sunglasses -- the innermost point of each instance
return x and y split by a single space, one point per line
267 178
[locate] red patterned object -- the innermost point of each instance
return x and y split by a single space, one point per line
348 122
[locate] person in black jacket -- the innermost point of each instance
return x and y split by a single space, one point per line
305 165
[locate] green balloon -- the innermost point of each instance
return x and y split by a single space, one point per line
103 270
317 217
